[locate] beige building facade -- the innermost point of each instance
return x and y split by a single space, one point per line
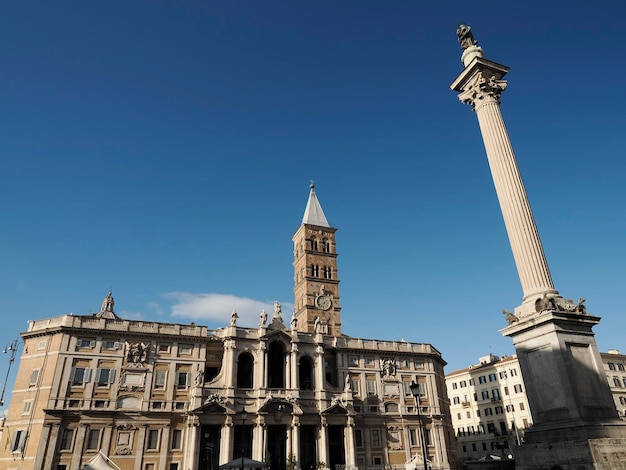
296 394
489 407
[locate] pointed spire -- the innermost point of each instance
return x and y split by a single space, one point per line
313 214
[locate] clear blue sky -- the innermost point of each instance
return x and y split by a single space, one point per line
164 149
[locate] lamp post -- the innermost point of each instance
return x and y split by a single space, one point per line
415 391
244 415
12 348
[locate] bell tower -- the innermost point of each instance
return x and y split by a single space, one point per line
316 281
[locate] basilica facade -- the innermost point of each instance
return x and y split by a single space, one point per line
292 393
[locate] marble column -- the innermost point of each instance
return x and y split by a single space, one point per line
226 442
322 443
350 450
480 85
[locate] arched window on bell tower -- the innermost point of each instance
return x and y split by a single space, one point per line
326 245
315 270
313 244
327 271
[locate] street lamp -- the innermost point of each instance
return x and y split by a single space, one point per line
11 348
244 415
415 391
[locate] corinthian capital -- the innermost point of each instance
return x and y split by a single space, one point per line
482 89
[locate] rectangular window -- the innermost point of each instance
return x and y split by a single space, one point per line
185 349
510 408
513 372
456 401
517 388
177 439
419 363
42 345
356 385
17 440
160 378
182 379
93 439
472 381
110 345
369 362
34 376
353 361
488 412
502 374
478 413
79 375
495 393
620 366
86 343
413 437
485 394
358 437
105 376
371 386
375 438
463 384
611 366
179 405
27 406
482 379
499 410
173 466
67 436
163 348
521 406
492 377
406 386
454 386
506 390
153 439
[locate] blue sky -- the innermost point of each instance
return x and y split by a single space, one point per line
164 149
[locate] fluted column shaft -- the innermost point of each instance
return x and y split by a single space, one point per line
528 253
480 86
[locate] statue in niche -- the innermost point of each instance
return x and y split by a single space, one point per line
510 317
465 36
263 318
294 322
347 384
199 380
317 324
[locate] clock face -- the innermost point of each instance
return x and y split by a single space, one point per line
323 302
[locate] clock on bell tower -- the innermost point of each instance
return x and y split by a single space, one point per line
316 284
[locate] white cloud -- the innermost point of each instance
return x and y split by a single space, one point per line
218 308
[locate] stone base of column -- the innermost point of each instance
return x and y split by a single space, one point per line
587 454
576 425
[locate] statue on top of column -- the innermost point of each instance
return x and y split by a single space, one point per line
466 38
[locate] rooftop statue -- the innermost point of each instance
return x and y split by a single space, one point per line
466 38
